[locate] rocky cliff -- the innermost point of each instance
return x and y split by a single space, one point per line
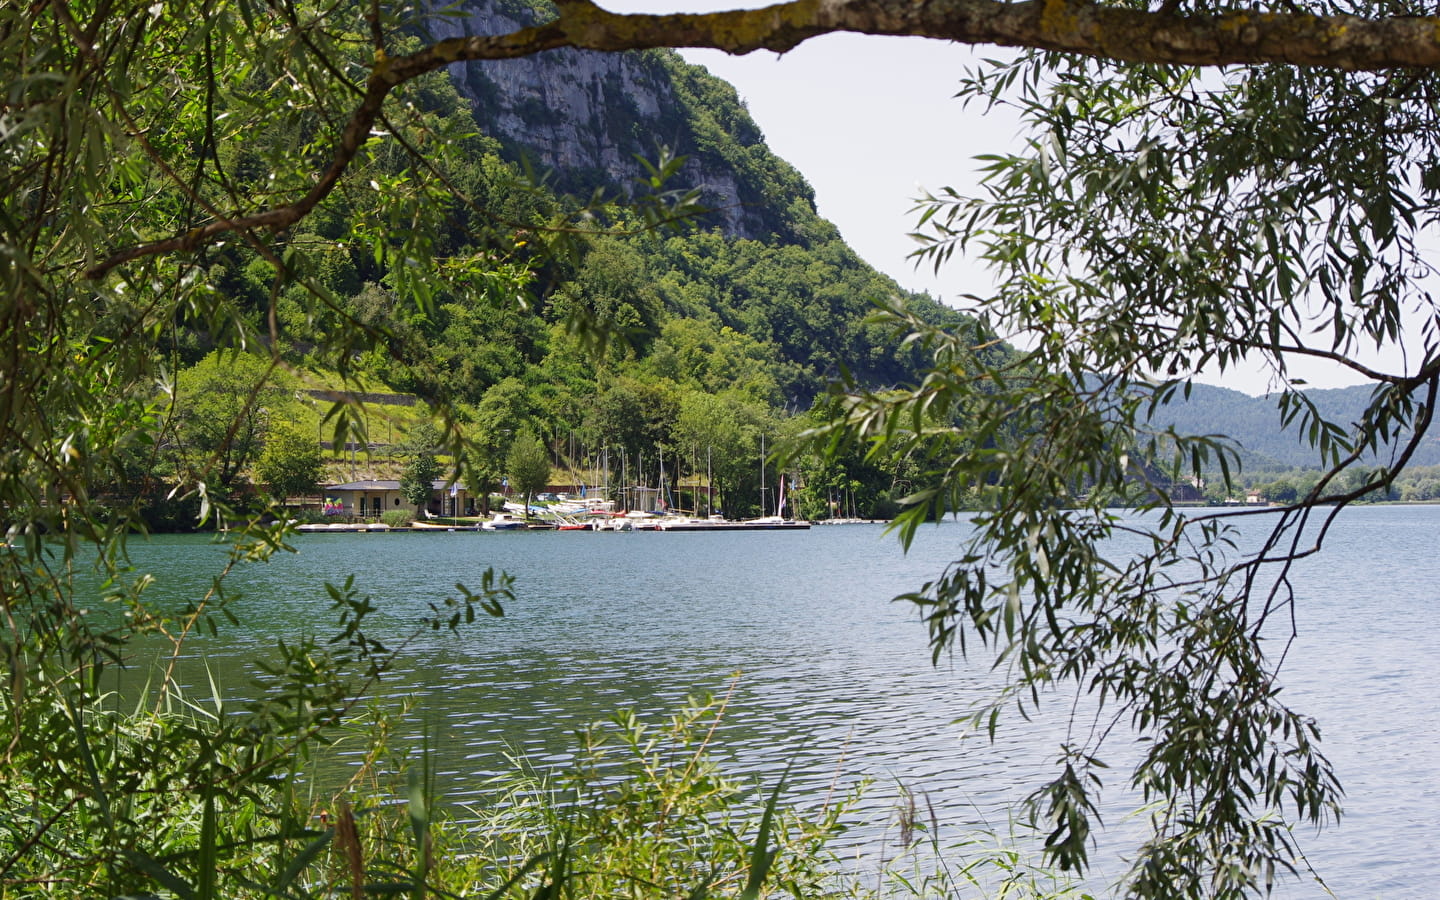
585 116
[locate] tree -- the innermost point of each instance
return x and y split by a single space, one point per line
724 431
612 289
635 419
222 409
421 469
501 414
291 464
1165 218
528 465
417 480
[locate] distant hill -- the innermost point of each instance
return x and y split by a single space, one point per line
1254 423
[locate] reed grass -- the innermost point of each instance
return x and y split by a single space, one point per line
642 812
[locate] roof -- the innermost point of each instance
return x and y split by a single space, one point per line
439 484
365 486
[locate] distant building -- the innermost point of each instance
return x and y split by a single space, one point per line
369 499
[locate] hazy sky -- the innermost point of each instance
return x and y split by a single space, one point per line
871 122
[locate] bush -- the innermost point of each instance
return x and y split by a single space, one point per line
644 812
884 507
101 799
397 518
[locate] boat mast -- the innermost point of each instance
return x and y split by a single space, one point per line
763 513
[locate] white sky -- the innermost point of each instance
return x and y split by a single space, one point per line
871 122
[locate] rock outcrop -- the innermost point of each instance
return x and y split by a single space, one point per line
585 116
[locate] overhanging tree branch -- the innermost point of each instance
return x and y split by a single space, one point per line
1251 36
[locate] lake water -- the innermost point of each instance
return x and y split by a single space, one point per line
830 675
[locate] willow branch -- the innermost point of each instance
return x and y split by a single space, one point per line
1128 35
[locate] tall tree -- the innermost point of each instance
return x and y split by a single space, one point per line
223 405
417 480
421 469
501 415
528 466
291 464
723 431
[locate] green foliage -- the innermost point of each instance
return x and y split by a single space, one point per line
612 290
157 789
291 464
1164 637
805 307
397 518
528 465
1160 222
634 416
190 233
645 811
223 407
845 481
723 431
504 411
417 479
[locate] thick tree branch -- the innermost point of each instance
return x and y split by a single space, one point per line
1233 38
1241 37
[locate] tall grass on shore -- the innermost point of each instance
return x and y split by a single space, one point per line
169 796
643 811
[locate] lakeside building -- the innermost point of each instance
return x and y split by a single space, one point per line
369 499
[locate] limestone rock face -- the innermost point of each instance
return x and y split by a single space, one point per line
585 116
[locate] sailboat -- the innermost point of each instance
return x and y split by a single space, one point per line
777 522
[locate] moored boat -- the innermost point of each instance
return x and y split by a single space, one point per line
504 521
716 523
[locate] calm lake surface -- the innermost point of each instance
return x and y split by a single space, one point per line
830 674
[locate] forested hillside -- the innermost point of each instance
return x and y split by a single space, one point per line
629 270
1256 426
626 269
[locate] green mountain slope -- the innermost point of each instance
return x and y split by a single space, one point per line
759 262
527 267
1254 423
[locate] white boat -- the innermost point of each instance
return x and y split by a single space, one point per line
575 507
718 523
643 521
504 521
